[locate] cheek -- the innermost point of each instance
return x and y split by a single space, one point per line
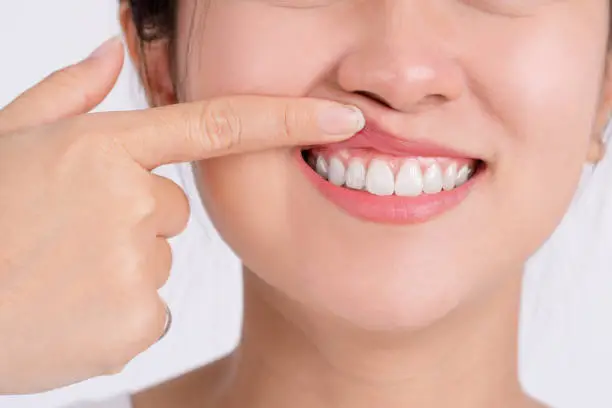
263 206
248 47
247 191
541 80
542 90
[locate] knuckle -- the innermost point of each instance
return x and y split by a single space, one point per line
182 208
166 257
220 127
142 201
143 206
141 271
136 329
145 323
129 271
134 325
296 119
160 271
291 120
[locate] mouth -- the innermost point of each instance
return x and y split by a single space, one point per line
381 175
399 188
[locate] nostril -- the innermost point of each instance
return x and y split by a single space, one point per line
376 97
432 100
426 102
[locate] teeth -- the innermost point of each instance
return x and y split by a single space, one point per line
409 182
450 177
321 167
337 172
463 175
380 179
356 175
414 177
432 180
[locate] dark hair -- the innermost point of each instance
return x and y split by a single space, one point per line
154 19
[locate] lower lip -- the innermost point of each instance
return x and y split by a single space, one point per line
388 209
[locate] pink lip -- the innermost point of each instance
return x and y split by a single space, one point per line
390 209
373 137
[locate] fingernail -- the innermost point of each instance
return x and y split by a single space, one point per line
106 47
341 120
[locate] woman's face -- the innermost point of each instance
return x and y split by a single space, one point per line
516 84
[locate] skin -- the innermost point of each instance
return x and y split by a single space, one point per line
342 312
85 224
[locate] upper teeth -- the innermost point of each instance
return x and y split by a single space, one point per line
321 166
337 172
409 180
414 177
356 175
379 178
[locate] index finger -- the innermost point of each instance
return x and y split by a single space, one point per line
228 125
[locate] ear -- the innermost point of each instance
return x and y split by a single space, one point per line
151 59
604 115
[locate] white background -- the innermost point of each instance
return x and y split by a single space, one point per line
566 332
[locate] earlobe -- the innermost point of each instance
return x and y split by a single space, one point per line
151 59
605 111
597 148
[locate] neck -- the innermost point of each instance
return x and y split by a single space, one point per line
467 360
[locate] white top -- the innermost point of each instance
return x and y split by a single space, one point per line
122 401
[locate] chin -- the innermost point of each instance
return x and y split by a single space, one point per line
378 276
369 294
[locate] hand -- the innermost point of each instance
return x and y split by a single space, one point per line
85 224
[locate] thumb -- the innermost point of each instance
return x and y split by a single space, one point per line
71 91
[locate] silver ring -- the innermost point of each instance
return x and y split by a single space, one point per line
168 322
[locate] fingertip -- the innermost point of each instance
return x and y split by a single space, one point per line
337 120
107 48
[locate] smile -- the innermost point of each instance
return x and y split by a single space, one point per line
378 182
386 175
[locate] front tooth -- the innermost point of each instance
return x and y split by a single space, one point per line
379 179
356 175
321 167
450 176
432 180
337 172
409 181
463 175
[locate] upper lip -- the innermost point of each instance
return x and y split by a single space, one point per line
374 137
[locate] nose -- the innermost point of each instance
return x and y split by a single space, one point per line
403 62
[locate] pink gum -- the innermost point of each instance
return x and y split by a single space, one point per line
366 156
